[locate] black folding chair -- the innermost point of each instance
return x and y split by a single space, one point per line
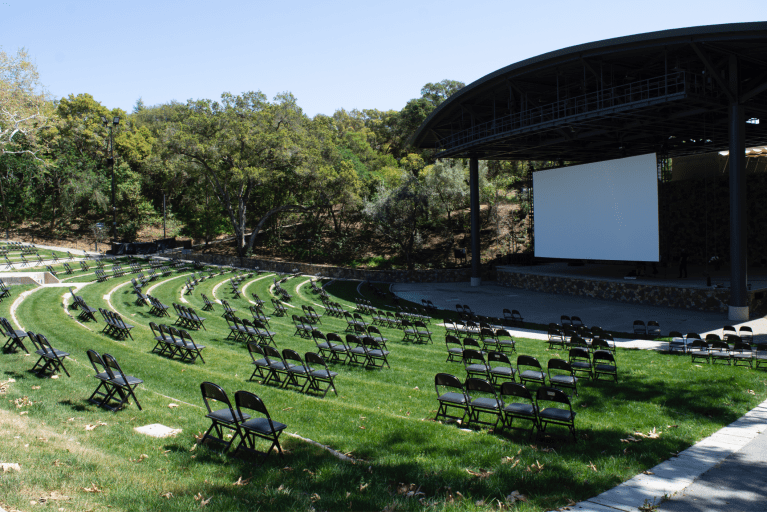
450 395
253 428
123 384
524 409
222 419
553 414
51 359
15 337
320 375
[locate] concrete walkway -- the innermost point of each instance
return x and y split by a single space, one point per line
727 471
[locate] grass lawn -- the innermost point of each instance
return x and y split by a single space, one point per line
76 456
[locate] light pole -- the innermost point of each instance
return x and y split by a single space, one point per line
111 164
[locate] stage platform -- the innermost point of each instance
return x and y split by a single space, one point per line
664 288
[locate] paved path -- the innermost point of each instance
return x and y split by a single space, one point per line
727 471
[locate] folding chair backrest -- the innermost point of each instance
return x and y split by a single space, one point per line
559 364
314 358
292 355
214 392
248 400
549 394
528 361
471 342
711 338
498 357
480 385
604 355
447 380
97 362
514 389
333 337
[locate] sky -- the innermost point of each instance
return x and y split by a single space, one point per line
329 54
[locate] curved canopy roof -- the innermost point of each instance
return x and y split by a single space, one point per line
666 92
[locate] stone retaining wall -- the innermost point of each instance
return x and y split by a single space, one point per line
703 299
383 276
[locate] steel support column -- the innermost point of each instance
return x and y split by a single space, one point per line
738 309
476 272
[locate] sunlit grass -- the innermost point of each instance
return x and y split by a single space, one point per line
381 418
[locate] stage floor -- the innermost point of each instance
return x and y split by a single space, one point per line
757 277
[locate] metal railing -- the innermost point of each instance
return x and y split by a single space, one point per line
593 104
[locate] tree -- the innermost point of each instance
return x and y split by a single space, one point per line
23 105
398 214
23 111
446 179
248 148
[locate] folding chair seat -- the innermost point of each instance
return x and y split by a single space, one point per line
311 314
51 359
188 349
15 337
454 349
223 419
260 362
604 364
475 365
676 342
423 334
208 304
258 314
561 375
227 308
502 371
698 349
521 406
719 351
375 354
321 378
556 336
253 428
339 350
356 350
303 328
653 329
163 341
530 370
488 339
580 359
640 329
86 312
123 384
483 400
409 332
375 333
505 341
263 334
278 367
760 354
450 395
742 354
554 415
299 374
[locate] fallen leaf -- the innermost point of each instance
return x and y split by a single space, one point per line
483 473
22 413
90 427
515 496
241 482
8 466
363 487
314 498
168 495
172 406
592 466
92 488
35 387
750 391
535 468
648 472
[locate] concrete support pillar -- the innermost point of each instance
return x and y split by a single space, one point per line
738 226
476 270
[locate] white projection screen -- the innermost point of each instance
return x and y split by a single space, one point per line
599 211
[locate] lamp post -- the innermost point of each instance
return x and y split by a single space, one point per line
111 164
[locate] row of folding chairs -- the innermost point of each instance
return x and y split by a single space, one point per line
741 353
415 332
474 400
86 312
498 368
171 342
100 275
413 313
681 342
15 337
651 328
499 341
363 306
50 360
115 325
242 329
248 420
333 309
157 307
364 350
279 308
188 317
281 292
287 369
115 387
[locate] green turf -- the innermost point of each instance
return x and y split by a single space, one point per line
383 419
